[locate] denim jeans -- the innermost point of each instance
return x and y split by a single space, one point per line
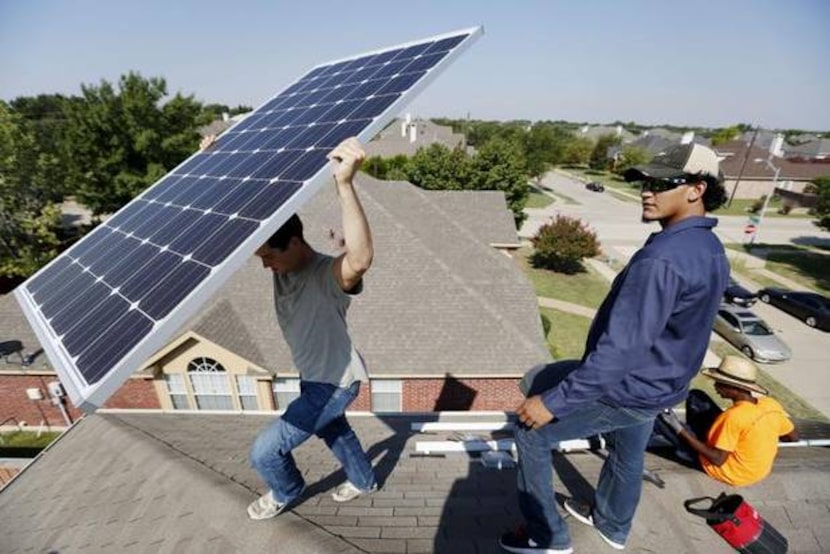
319 411
626 431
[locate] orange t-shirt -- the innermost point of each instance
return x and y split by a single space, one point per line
749 432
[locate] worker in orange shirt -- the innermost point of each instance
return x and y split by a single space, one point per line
741 442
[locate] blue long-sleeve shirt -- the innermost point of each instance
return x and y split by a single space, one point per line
650 335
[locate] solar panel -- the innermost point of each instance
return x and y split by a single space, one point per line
105 305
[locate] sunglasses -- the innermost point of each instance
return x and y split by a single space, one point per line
662 185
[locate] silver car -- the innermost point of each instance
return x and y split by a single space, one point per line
750 334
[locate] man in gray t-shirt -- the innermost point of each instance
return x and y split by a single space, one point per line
312 293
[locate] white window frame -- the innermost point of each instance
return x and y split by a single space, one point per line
208 372
246 387
387 390
177 387
285 386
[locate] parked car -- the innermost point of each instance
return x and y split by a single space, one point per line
810 307
750 334
595 186
738 295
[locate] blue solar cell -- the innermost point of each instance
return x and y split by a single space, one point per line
72 312
124 268
149 275
173 228
78 281
191 238
111 300
161 300
114 342
224 241
274 194
48 277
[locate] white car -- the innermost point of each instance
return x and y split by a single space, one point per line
750 334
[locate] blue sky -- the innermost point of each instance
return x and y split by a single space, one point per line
710 63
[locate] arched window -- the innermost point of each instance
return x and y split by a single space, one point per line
210 383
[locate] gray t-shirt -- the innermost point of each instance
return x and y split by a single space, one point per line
311 310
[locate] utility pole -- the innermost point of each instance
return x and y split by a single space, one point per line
743 165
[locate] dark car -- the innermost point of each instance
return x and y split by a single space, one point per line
810 307
738 295
595 186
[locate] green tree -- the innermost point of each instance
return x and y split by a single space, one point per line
822 209
121 141
436 167
599 156
562 244
725 135
500 165
545 145
631 156
29 219
578 151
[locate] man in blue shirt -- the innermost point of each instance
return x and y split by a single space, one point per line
646 343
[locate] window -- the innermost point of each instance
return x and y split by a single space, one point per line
177 391
210 383
285 391
387 395
247 392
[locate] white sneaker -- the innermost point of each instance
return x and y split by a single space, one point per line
347 491
582 513
266 506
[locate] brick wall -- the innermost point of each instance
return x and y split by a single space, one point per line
136 393
446 394
14 403
363 402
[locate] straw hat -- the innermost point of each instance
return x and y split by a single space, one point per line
738 372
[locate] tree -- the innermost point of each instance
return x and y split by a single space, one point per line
121 141
578 151
500 165
599 156
29 219
631 156
822 209
436 167
544 146
725 135
562 244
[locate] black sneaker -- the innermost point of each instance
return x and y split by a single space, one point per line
520 543
582 512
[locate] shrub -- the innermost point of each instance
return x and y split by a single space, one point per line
757 205
562 244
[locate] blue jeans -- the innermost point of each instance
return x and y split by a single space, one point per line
319 410
626 431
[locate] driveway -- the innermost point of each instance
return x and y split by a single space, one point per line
618 226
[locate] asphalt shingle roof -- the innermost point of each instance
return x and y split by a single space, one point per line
180 483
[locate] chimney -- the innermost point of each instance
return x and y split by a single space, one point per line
687 137
226 117
776 147
619 130
413 132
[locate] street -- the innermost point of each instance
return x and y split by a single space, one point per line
618 227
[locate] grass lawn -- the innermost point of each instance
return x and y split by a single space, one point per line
538 200
788 260
810 269
587 289
27 438
739 206
794 404
567 335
